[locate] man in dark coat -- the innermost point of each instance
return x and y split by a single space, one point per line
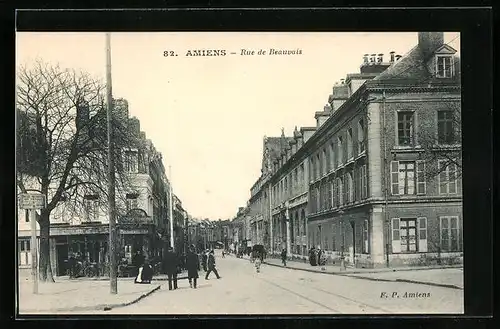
283 256
211 265
193 266
171 264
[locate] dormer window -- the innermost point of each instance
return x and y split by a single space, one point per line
444 66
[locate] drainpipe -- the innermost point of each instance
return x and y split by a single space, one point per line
386 187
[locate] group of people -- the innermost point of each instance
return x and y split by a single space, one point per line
317 257
75 265
173 263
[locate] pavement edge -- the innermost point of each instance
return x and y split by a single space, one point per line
372 279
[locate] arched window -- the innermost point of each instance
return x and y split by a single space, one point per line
340 191
349 144
350 191
361 136
340 151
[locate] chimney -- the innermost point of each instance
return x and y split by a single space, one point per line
398 57
342 81
429 42
373 58
380 58
365 59
392 56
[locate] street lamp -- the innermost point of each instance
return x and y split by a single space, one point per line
353 225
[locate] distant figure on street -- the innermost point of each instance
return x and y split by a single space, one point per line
211 265
258 261
72 266
193 266
171 265
223 253
204 259
283 256
312 257
145 273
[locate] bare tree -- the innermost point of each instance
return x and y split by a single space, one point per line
442 146
62 143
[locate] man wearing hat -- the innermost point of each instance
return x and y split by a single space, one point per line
211 265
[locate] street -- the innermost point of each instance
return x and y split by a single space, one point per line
278 290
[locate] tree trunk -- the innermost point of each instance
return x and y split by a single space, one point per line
45 270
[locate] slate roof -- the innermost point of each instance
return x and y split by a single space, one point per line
412 67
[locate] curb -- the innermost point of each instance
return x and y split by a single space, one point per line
376 279
99 307
110 307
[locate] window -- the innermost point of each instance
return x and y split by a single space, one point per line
349 189
325 162
447 177
361 136
330 195
340 153
332 156
404 177
312 171
365 237
130 161
449 233
318 200
408 234
302 175
27 216
318 166
363 182
444 67
339 194
405 128
131 200
349 144
296 178
91 207
24 245
446 129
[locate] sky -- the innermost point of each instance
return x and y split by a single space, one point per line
208 115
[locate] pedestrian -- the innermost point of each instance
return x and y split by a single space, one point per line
258 262
211 265
145 273
312 256
223 254
193 266
171 266
204 258
137 261
283 256
71 266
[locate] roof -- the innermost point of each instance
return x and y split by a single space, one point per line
274 146
412 66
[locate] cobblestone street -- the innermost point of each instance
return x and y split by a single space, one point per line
286 291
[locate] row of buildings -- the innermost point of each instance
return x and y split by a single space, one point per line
143 209
377 181
206 234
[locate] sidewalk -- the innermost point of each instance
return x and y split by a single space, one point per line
444 276
66 295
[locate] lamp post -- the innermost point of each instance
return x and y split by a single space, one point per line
353 225
111 175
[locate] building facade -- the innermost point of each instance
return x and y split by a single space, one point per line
382 167
82 226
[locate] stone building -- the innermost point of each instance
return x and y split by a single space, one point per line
377 181
375 197
82 226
